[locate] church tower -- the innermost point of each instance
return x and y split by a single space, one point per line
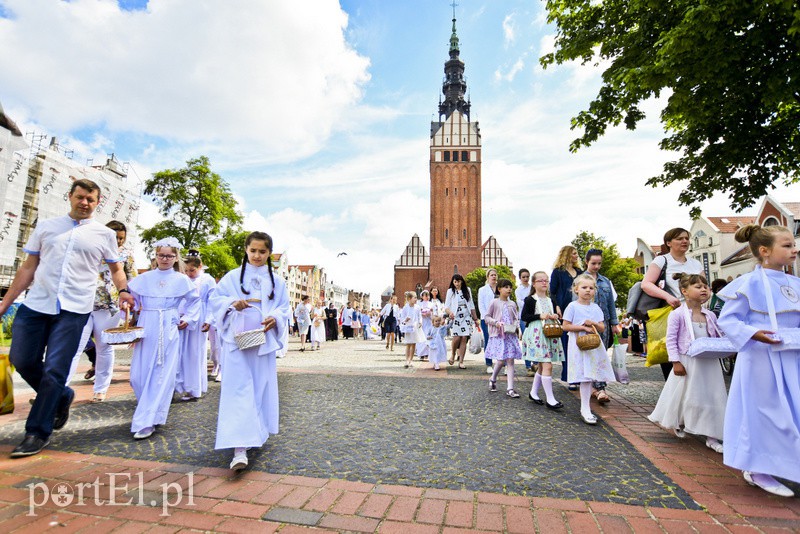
455 167
455 171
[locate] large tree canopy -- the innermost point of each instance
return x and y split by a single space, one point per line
198 204
621 271
730 72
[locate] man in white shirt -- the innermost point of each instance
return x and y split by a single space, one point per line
64 256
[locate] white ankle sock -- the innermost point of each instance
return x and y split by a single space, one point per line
547 384
537 383
586 397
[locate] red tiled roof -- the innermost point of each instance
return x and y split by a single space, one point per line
793 207
729 225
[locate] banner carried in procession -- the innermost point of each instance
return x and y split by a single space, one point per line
13 180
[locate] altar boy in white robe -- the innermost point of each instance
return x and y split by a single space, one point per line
249 298
192 379
158 294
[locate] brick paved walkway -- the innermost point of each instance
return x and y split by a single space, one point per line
266 502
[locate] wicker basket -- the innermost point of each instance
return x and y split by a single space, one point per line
122 335
589 341
552 329
250 338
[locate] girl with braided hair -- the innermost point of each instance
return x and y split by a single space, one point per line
248 298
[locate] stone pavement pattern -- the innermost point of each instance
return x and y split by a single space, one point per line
352 494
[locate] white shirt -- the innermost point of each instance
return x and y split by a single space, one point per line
485 298
690 266
69 253
521 292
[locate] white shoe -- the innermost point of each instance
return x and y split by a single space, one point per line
714 445
590 419
144 433
680 433
218 378
489 370
239 461
770 486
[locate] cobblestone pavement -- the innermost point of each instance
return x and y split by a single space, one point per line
439 433
366 445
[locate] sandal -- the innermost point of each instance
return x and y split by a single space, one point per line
513 394
492 385
451 362
602 397
462 366
98 397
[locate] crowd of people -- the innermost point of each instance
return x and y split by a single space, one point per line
81 282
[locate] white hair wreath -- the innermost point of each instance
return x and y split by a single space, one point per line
167 242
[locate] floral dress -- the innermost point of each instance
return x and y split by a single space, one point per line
536 347
505 346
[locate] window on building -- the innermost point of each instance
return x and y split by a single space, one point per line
697 242
714 275
455 155
446 192
713 257
465 191
455 191
446 233
771 221
710 241
465 233
464 155
447 155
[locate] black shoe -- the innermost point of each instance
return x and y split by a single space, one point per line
30 445
62 414
556 406
537 401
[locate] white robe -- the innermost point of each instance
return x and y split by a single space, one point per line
158 295
248 404
318 332
192 376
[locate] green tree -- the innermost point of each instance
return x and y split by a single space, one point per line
477 279
730 72
621 271
224 254
197 203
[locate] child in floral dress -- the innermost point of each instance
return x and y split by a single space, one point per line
536 347
503 346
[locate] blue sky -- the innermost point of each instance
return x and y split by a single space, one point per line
318 115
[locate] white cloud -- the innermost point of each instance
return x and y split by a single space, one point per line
511 73
272 75
509 30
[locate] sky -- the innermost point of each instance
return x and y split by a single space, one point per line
317 113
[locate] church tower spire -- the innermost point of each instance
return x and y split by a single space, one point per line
454 86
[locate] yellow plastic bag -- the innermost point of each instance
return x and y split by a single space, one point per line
6 385
657 336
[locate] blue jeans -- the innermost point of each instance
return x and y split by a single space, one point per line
32 333
485 330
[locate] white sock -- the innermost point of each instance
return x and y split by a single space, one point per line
537 383
510 374
547 384
240 451
496 371
586 397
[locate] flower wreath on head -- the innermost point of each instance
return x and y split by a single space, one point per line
167 242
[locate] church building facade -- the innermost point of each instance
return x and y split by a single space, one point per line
455 198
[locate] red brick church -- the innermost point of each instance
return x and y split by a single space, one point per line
455 170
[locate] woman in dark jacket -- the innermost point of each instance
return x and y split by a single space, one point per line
565 269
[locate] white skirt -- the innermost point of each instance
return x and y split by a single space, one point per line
696 401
